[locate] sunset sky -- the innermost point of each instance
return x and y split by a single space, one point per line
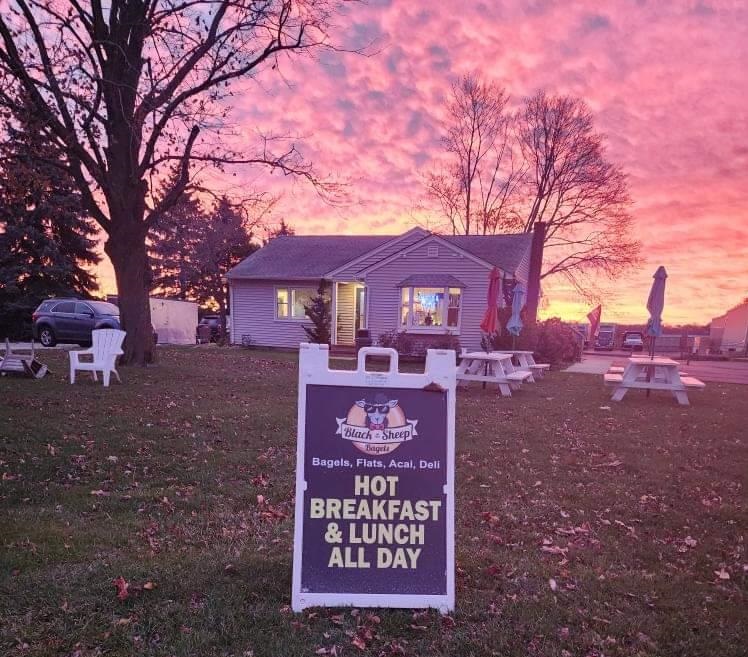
667 82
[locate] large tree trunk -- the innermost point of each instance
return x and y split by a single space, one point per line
131 268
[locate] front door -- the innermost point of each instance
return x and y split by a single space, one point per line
360 310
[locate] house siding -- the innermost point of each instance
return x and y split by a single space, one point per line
253 313
384 295
352 273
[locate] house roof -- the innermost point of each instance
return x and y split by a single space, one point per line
305 256
299 257
504 251
431 280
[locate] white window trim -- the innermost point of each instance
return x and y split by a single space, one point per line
439 330
289 289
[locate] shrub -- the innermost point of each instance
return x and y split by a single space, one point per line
556 342
416 344
552 341
318 311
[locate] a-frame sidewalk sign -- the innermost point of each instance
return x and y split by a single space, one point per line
374 483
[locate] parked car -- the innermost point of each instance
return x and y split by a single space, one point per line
214 323
633 340
72 320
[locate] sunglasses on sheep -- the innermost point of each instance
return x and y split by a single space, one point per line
376 409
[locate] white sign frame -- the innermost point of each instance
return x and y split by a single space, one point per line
314 369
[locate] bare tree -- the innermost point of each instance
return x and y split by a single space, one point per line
129 89
476 190
545 163
581 197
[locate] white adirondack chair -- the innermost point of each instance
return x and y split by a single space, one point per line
106 346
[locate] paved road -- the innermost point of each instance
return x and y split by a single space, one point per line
706 370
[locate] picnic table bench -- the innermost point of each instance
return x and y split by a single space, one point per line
491 367
525 360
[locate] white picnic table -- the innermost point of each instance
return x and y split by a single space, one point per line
525 360
491 367
652 374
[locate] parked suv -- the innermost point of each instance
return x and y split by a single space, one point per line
633 340
72 320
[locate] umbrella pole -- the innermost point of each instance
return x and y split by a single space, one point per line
651 357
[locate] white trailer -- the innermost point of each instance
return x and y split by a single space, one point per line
174 321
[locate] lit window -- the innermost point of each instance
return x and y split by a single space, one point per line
300 299
290 302
281 303
453 307
427 308
405 306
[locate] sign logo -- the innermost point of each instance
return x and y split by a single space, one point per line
376 425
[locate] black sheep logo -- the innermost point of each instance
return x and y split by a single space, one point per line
377 410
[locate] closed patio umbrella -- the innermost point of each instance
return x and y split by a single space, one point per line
655 306
514 325
490 320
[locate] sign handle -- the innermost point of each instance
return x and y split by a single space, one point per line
378 351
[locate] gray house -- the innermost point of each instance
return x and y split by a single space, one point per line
425 284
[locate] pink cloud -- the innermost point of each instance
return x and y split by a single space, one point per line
666 82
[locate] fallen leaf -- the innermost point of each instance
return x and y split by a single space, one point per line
722 573
552 584
358 642
149 586
611 464
122 587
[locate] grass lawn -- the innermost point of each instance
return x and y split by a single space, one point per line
583 527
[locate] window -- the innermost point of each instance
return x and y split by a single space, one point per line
425 308
82 309
64 307
290 302
105 308
453 307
